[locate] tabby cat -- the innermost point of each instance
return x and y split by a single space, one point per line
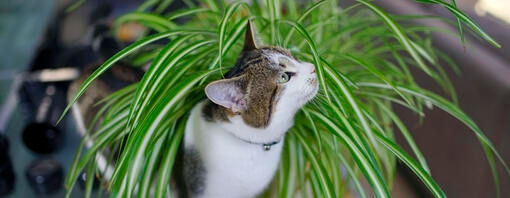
234 138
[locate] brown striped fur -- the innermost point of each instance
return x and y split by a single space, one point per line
256 76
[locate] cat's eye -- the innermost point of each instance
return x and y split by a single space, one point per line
285 77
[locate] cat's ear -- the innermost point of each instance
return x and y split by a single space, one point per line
249 38
227 93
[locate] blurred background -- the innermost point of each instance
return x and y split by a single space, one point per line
44 47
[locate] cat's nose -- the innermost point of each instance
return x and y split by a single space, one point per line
310 68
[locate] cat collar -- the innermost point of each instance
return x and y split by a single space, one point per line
265 146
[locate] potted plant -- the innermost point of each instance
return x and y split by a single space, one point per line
362 55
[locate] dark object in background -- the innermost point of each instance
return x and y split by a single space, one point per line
4 147
104 43
42 138
45 175
7 177
82 181
101 12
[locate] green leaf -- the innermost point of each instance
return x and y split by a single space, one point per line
188 12
453 110
168 160
371 171
223 25
380 75
400 35
111 61
407 135
152 21
305 14
464 18
156 73
141 136
413 165
313 48
318 168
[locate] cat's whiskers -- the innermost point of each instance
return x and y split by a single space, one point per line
315 102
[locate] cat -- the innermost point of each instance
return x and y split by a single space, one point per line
233 140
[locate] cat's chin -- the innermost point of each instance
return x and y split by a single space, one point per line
311 93
310 96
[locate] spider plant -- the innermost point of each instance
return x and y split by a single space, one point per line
363 56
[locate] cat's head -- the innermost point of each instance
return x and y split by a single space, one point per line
265 83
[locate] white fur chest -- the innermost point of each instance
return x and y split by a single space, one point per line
232 167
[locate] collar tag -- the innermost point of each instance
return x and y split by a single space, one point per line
267 147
